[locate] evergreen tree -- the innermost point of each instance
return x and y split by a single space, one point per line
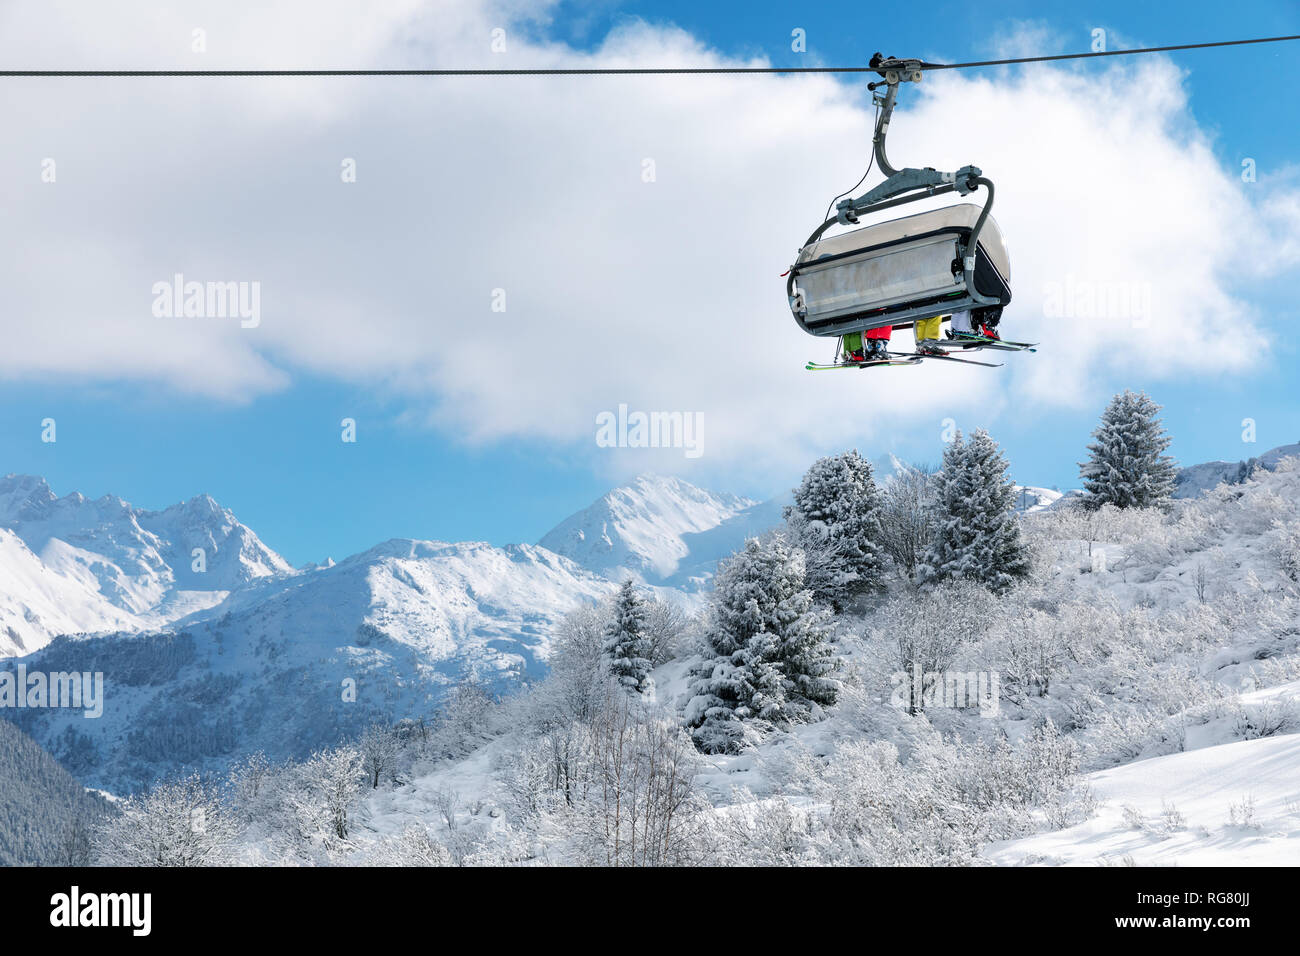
768 657
1126 465
835 519
977 533
627 644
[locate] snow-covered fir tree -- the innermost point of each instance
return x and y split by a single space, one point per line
627 642
977 533
835 519
768 653
1126 464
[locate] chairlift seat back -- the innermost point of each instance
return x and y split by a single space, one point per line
895 272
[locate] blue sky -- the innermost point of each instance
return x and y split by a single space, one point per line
274 456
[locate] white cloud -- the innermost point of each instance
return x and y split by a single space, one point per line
662 295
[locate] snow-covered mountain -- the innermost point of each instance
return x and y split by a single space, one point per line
642 530
38 602
74 564
1030 499
295 662
283 661
1195 479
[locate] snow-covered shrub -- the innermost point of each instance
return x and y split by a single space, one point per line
667 628
379 752
1266 718
769 832
182 823
1119 737
1133 817
579 668
249 783
1171 818
1026 645
924 631
413 846
883 814
641 809
1285 542
1242 812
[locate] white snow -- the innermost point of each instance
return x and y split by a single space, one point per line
1202 787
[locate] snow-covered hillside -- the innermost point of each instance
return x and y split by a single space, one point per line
1149 710
73 564
1237 804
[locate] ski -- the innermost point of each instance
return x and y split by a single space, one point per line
953 358
817 367
983 341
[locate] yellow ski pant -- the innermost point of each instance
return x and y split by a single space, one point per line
928 328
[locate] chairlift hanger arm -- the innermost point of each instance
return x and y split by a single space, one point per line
899 183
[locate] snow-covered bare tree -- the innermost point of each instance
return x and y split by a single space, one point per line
325 792
579 669
835 519
769 657
1126 464
180 823
466 720
921 634
640 808
907 517
977 532
379 749
627 644
75 846
665 624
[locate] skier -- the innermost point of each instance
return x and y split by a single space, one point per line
878 343
852 344
981 322
874 349
927 335
988 319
